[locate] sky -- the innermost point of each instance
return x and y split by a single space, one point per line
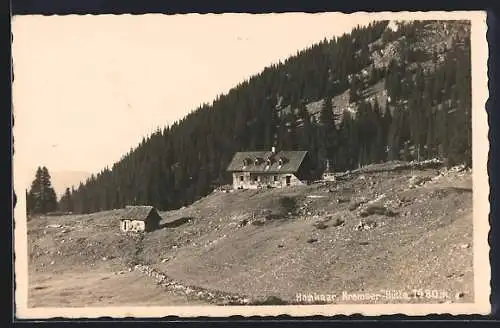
88 88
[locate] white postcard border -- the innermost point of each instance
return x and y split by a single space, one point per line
481 189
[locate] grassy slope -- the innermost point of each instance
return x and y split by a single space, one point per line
420 247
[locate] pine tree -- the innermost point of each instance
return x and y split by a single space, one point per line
355 89
327 132
377 148
304 135
431 140
350 143
386 126
51 198
35 194
41 198
394 136
66 202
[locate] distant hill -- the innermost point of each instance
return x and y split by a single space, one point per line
64 179
387 91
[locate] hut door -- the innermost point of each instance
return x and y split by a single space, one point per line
288 180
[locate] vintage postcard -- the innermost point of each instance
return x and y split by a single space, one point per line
241 164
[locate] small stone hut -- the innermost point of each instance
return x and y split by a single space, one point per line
139 219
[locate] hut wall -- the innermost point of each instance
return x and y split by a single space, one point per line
133 225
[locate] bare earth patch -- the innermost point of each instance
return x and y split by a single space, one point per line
81 288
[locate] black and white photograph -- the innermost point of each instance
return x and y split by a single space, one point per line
251 164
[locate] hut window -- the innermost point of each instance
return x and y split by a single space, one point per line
275 178
282 161
258 160
268 163
241 178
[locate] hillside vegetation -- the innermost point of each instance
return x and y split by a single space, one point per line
371 95
379 228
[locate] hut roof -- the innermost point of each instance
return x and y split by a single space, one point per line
290 161
140 213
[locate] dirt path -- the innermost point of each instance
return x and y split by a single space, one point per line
81 288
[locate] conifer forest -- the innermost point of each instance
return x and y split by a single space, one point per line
374 94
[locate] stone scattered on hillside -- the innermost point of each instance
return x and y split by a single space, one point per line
320 225
211 296
338 222
258 222
376 209
356 204
365 225
416 181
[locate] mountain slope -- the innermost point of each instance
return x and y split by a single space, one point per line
372 95
252 244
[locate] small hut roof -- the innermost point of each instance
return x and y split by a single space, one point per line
140 213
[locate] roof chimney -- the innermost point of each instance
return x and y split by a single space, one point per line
273 150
